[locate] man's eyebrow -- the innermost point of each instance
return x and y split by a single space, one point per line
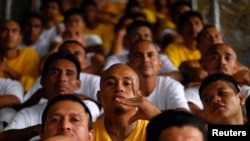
112 77
108 77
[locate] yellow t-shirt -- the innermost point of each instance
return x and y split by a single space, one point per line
105 32
26 64
179 53
138 134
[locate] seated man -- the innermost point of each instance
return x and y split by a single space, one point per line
34 95
15 61
190 24
164 92
193 71
141 30
222 100
32 29
176 125
220 58
60 76
11 95
124 106
59 121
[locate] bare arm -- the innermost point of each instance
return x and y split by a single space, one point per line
9 72
175 75
94 48
145 109
9 101
192 72
34 99
97 63
20 134
117 44
242 76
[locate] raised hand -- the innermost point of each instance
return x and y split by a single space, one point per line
145 109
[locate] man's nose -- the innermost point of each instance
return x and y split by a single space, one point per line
65 125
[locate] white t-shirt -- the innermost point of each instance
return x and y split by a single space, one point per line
89 86
114 59
13 87
9 87
168 94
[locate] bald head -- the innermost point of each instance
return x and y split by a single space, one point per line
122 70
220 58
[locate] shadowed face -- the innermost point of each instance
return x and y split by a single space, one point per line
144 59
10 35
221 102
61 78
220 59
78 51
207 38
32 29
191 28
118 81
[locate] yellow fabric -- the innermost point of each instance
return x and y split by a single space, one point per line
26 64
138 134
178 53
149 15
105 32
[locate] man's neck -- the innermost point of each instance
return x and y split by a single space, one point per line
119 128
11 53
190 44
147 84
28 42
91 25
49 24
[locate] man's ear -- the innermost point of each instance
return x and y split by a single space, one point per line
78 85
160 64
91 135
236 67
242 98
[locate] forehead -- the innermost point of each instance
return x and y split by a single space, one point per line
142 29
62 63
71 108
73 29
11 24
34 20
211 30
144 46
75 16
221 49
71 46
216 86
120 72
194 19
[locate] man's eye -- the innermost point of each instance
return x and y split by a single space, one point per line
75 120
54 120
206 100
110 83
52 72
127 83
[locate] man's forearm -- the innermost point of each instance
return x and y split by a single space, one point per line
19 134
